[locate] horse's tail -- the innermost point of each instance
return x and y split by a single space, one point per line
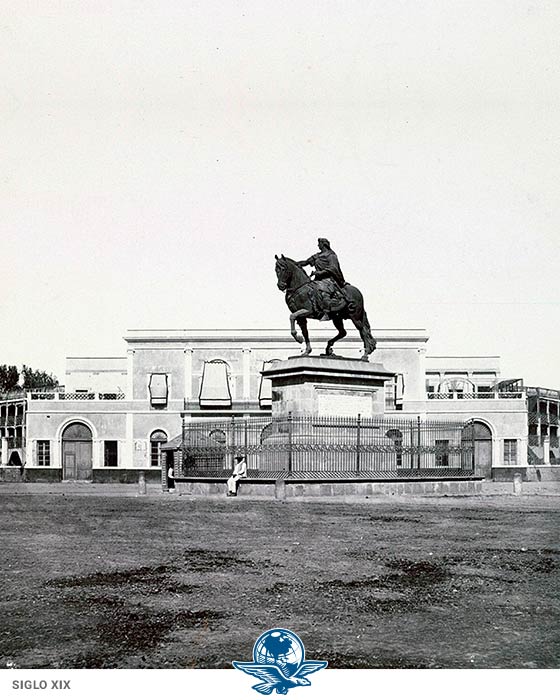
357 314
369 341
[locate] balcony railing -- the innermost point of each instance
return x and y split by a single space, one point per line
76 396
22 394
542 418
470 396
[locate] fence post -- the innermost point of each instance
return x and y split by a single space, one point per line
358 422
473 445
418 445
232 443
289 442
183 452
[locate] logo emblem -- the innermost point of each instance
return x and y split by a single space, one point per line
279 662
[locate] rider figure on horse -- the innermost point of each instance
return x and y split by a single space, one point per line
329 278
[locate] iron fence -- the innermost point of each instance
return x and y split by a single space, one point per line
318 447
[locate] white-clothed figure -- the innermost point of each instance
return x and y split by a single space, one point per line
239 472
170 480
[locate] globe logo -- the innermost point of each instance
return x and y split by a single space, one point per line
279 647
279 662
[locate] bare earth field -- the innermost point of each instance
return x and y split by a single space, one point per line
123 582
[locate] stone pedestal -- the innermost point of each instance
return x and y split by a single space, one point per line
328 386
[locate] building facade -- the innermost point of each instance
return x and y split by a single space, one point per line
543 406
12 436
115 413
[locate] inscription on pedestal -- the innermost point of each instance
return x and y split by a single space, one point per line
345 403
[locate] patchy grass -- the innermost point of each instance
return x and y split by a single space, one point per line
153 583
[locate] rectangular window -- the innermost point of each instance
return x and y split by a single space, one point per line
394 391
155 454
442 453
111 453
390 396
510 451
44 453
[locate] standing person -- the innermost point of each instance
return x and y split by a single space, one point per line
170 479
239 472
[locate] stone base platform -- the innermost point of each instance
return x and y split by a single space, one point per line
293 489
103 475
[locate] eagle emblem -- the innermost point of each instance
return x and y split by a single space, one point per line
279 662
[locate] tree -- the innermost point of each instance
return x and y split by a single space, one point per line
30 379
37 379
9 378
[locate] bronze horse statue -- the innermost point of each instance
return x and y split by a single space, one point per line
304 299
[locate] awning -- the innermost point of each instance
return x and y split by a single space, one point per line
265 388
450 384
158 389
399 389
215 390
508 385
173 444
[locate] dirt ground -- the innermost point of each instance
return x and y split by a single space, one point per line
93 582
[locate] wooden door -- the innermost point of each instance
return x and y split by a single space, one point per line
77 462
483 458
69 461
84 461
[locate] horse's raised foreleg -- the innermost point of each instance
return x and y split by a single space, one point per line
293 318
339 325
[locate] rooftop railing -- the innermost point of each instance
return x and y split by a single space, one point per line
470 396
75 396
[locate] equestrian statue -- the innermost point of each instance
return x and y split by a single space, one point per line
325 296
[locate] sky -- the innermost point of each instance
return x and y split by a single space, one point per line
155 156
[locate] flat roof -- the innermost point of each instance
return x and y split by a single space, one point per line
95 357
263 334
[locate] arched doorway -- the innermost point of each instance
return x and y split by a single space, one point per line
481 436
77 452
157 439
